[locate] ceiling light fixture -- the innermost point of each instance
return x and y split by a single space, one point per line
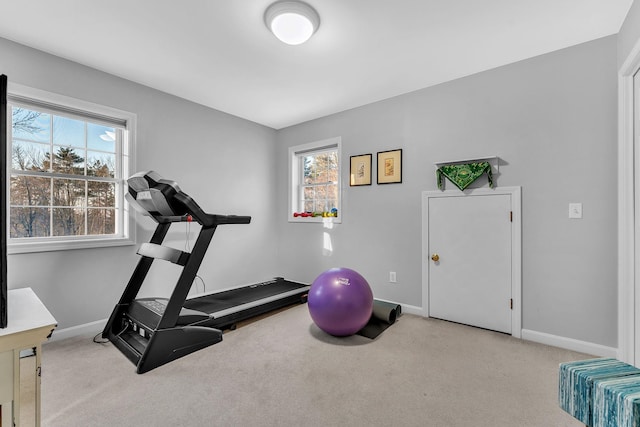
292 22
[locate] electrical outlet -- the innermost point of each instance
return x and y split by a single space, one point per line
392 277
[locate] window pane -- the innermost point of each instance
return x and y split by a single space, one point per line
101 137
68 222
30 190
68 160
332 166
321 168
31 156
30 124
308 193
101 194
309 170
101 164
332 191
68 192
68 132
29 222
323 176
332 159
308 206
321 192
101 221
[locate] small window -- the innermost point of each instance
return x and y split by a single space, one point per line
67 168
315 181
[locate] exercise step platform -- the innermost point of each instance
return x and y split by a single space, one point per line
603 392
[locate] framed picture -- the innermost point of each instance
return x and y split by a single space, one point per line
390 167
360 171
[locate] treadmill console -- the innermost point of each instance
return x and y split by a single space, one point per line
154 195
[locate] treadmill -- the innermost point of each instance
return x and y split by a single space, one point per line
153 331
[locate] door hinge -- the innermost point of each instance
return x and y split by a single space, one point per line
511 303
511 216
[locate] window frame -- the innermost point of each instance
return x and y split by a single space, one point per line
37 99
295 173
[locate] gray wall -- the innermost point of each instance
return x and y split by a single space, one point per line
223 162
552 121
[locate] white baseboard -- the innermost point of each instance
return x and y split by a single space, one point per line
543 338
74 331
412 309
569 344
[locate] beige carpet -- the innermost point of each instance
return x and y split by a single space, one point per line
284 371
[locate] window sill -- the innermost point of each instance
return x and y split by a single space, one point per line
316 220
63 245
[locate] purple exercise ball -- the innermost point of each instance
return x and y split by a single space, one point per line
340 301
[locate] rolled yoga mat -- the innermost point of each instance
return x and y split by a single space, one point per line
384 315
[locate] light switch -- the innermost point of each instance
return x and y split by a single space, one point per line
575 210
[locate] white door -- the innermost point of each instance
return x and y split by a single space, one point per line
470 260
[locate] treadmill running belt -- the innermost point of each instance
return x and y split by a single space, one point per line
226 299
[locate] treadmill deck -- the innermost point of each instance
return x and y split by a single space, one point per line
225 303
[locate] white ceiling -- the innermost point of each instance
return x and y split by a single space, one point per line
220 54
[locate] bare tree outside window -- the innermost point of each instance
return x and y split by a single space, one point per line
320 182
62 176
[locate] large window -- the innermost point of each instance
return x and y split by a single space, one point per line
67 165
315 181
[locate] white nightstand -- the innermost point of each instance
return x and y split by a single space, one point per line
29 324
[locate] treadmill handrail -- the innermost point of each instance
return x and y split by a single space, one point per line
231 219
205 219
153 250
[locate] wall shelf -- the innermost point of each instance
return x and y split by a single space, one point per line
492 160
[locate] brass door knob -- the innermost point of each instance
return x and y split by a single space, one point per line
435 257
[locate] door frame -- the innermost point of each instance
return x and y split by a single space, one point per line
628 211
516 246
